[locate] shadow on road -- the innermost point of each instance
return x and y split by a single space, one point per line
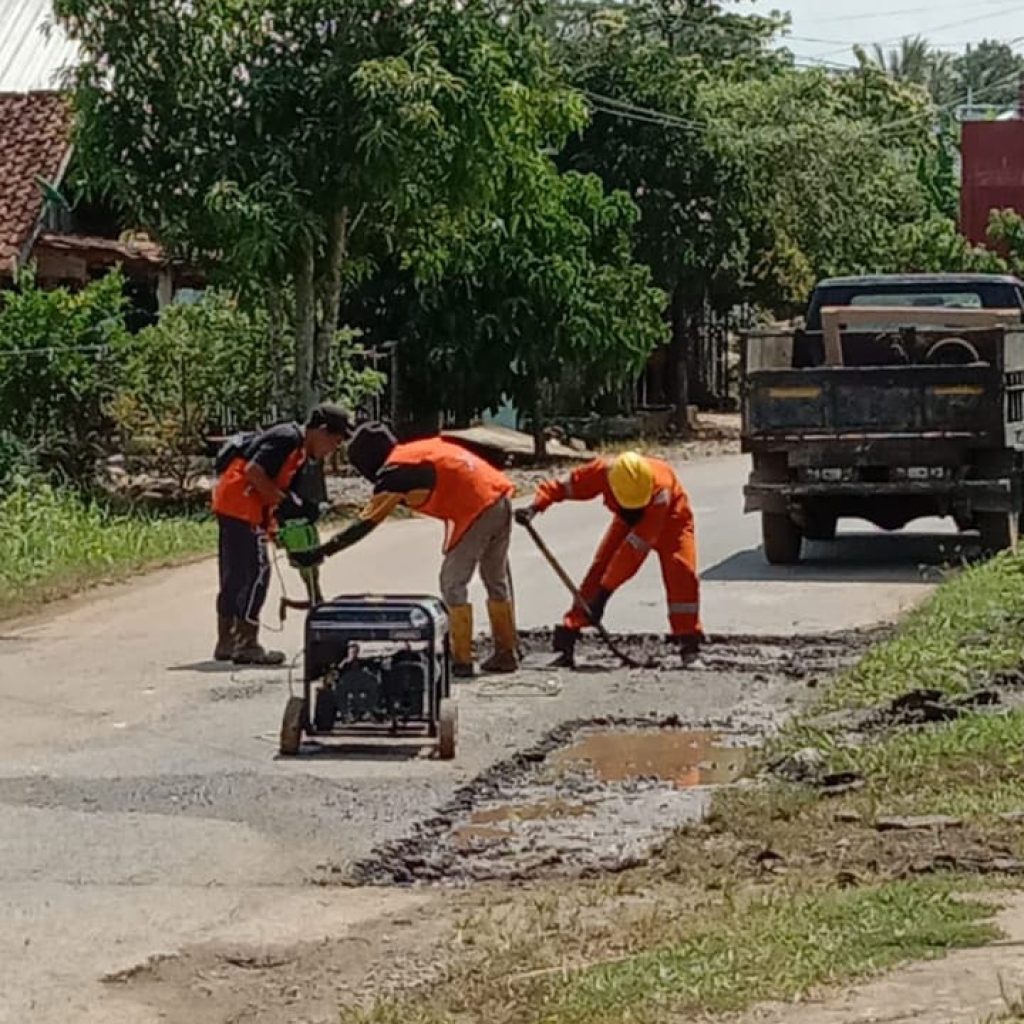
854 558
341 749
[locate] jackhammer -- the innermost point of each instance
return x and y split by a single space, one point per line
295 536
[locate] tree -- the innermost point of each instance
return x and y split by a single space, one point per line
990 73
658 57
295 143
547 291
910 63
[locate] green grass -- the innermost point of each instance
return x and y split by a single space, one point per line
973 767
973 625
54 543
773 945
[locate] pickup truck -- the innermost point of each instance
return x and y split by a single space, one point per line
902 397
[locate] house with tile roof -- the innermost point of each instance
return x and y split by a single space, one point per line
66 244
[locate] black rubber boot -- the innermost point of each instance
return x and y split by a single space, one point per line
225 649
563 643
689 650
248 650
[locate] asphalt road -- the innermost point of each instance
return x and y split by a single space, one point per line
143 808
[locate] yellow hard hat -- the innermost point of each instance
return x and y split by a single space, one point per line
631 480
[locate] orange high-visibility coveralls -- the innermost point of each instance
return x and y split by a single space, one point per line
665 525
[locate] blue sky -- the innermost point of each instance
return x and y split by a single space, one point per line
826 29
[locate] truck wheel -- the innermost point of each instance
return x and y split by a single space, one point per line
999 531
782 539
820 525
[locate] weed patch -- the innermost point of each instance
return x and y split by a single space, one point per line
724 957
54 543
972 627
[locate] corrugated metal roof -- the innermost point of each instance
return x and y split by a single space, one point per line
33 49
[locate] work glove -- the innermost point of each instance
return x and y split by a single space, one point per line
295 506
597 606
525 516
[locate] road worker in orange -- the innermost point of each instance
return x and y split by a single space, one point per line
652 513
443 480
256 489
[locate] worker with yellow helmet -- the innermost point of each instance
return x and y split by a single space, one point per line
652 513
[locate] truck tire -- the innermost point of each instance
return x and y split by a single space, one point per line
999 531
782 539
819 524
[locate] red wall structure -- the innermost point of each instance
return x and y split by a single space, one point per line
993 173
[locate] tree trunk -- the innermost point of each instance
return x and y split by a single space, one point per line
276 397
540 441
306 395
330 298
676 368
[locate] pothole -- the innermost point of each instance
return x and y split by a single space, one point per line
592 798
680 757
794 657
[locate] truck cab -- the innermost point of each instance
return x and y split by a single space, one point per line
902 397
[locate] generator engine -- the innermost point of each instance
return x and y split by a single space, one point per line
388 688
376 663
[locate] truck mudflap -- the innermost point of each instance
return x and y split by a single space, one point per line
992 495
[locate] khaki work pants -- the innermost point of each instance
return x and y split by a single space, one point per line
486 545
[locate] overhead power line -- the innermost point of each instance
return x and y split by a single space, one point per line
924 31
629 111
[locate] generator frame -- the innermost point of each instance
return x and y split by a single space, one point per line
392 621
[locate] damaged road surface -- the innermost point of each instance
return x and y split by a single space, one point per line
152 837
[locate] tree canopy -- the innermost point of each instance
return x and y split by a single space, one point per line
518 193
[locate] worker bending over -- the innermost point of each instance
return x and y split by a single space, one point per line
652 513
443 480
253 491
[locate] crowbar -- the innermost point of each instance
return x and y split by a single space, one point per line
578 597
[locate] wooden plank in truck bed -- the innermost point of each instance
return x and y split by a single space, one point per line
835 318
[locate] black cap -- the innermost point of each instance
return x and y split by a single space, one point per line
332 418
369 449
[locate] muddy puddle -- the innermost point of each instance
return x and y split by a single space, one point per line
681 757
591 798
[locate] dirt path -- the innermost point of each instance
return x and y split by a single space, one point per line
966 987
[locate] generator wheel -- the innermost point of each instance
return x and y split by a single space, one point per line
447 729
291 726
324 710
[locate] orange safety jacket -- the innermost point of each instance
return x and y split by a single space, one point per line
669 507
236 498
465 486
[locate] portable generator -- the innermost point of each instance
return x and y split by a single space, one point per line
375 666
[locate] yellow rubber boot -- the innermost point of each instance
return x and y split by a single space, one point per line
461 621
503 628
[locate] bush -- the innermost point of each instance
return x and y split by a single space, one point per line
60 359
200 369
209 368
18 463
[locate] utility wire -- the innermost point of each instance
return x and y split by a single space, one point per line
628 111
925 30
866 16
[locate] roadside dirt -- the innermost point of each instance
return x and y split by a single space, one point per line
591 798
